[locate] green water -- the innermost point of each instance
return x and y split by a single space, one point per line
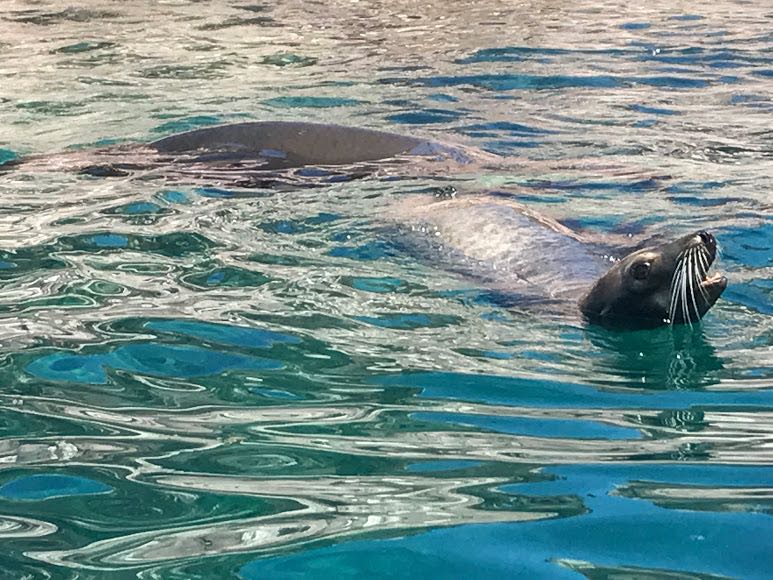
203 382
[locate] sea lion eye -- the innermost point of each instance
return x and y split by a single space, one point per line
640 271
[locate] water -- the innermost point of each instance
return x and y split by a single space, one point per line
205 382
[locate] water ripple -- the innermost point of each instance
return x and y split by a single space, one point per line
212 371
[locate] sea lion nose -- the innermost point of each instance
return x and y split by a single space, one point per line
708 240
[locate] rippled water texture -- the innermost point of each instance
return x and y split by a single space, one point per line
208 382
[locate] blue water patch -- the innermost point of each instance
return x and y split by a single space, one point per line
314 172
46 486
70 367
174 196
541 198
108 241
84 46
138 208
507 147
288 227
374 250
491 389
635 26
753 101
299 226
754 294
596 187
311 102
323 218
507 127
222 333
410 321
340 178
442 98
283 59
183 361
653 110
275 394
708 57
601 480
535 426
521 53
643 536
487 353
751 247
381 285
504 138
215 278
6 155
692 186
702 201
511 82
144 358
425 117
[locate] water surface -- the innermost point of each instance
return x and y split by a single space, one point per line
204 381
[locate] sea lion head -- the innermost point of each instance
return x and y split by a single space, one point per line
666 284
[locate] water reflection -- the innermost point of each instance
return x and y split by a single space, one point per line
200 380
667 358
327 508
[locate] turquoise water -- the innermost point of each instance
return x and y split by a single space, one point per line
199 381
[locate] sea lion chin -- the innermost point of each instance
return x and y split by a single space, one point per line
661 285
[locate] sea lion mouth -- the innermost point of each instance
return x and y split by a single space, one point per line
713 280
693 291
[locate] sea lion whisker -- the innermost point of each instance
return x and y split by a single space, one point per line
701 270
672 288
692 281
676 283
683 296
673 303
704 293
699 283
674 295
704 256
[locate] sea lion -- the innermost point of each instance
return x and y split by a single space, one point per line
522 251
284 144
263 154
542 262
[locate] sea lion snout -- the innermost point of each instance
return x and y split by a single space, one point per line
708 240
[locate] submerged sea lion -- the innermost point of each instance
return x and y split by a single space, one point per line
263 154
524 252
